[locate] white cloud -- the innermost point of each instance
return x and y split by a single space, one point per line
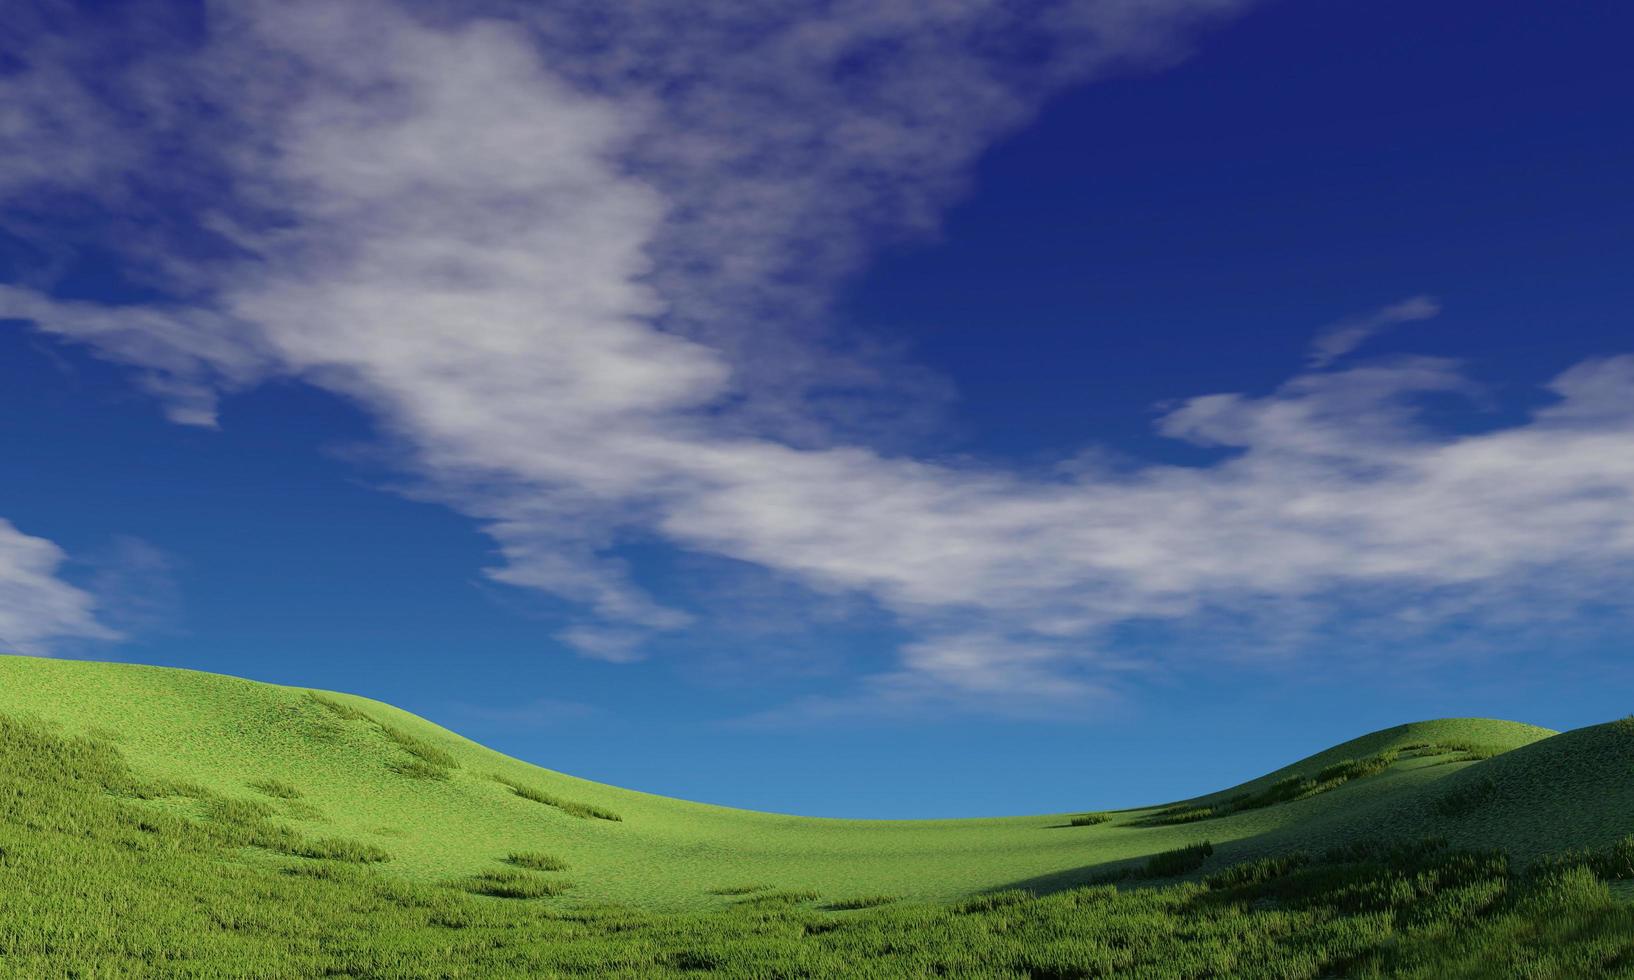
1343 337
614 645
571 304
36 607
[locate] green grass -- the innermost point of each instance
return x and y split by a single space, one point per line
572 808
341 849
1089 819
739 889
535 861
859 902
419 769
514 884
1465 798
1290 788
1181 860
111 865
274 787
204 733
419 748
1257 872
785 897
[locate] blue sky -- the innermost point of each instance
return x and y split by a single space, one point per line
856 409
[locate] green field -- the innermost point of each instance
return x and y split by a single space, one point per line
157 821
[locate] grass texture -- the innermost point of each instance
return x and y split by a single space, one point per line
238 829
371 773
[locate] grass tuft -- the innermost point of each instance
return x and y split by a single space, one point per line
420 748
1181 860
535 861
1348 769
297 810
994 901
1285 790
581 810
513 884
158 789
792 896
860 902
323 871
340 849
419 769
1089 819
1256 872
344 712
1181 814
738 889
276 788
239 811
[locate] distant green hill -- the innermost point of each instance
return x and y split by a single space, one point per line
131 794
355 782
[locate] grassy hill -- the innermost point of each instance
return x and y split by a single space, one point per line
129 795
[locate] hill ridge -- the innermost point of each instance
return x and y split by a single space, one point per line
442 805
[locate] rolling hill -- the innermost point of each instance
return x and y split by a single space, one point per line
354 765
138 804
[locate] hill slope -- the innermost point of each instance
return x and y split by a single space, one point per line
443 807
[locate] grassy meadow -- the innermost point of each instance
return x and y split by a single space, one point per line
158 822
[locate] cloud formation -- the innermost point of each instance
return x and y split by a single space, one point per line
579 283
36 606
1346 336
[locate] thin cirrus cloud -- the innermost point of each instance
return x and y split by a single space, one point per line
1346 336
566 293
37 607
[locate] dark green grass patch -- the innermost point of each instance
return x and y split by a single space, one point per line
569 807
535 861
158 789
1454 750
994 901
513 884
419 748
1180 815
860 902
1613 863
1285 790
324 871
344 712
738 889
420 769
429 762
276 788
1348 769
233 811
297 810
1181 860
1256 872
1089 819
341 849
792 896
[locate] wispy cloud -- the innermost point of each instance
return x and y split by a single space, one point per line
135 587
579 284
37 608
1343 337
